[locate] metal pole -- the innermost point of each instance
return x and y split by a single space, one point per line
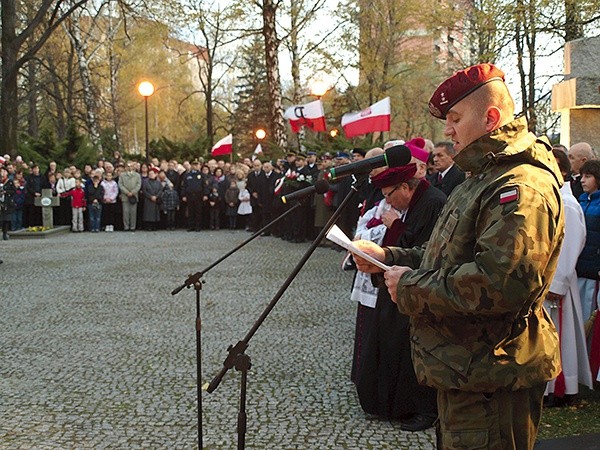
146 105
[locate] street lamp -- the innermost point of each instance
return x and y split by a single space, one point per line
319 88
260 134
146 89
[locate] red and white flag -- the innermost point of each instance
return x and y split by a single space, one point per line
375 118
310 115
257 152
223 147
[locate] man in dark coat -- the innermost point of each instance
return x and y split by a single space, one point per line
192 191
448 175
254 185
33 188
267 194
386 381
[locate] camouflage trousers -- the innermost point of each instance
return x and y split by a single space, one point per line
497 420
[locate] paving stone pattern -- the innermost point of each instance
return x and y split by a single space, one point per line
95 353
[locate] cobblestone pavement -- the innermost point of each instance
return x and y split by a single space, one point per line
95 353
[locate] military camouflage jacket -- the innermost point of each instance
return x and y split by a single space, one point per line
475 300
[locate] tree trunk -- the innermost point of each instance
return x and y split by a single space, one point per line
113 67
55 93
80 45
13 60
9 112
32 115
573 25
272 63
294 52
531 46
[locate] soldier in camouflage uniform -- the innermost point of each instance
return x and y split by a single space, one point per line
479 332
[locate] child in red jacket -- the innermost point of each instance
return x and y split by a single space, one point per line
78 205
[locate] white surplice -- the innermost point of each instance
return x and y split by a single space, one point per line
573 348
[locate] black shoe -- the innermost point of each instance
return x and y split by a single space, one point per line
551 401
418 422
5 236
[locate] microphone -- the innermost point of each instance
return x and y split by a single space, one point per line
398 155
320 187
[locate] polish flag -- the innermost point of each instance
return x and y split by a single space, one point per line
257 151
223 147
375 118
310 115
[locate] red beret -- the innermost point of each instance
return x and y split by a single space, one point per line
394 175
417 149
461 84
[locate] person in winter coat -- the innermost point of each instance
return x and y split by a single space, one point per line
78 205
231 204
169 203
7 202
152 189
94 198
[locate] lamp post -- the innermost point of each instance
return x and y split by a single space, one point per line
146 89
260 134
319 88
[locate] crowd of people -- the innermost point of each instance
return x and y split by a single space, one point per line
482 316
119 195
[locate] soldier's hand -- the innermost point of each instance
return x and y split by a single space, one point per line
371 249
184 199
392 277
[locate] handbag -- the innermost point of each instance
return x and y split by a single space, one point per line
132 199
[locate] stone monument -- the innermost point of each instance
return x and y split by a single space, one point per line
577 98
47 202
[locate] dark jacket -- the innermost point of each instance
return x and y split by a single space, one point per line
94 193
588 263
7 200
453 178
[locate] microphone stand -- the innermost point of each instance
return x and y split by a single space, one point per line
236 356
197 281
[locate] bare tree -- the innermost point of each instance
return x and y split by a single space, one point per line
217 31
81 44
20 43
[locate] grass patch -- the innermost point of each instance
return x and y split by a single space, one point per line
581 417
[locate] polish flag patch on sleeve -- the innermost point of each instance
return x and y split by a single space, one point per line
509 196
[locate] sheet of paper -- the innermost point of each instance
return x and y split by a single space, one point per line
335 234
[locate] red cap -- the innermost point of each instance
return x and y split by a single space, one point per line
154 169
394 175
461 84
417 149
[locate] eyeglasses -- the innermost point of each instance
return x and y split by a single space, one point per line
391 192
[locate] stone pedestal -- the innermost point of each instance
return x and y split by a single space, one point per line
577 98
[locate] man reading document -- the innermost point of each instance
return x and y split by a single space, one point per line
474 293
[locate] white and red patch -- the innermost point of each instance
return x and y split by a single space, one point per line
509 196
